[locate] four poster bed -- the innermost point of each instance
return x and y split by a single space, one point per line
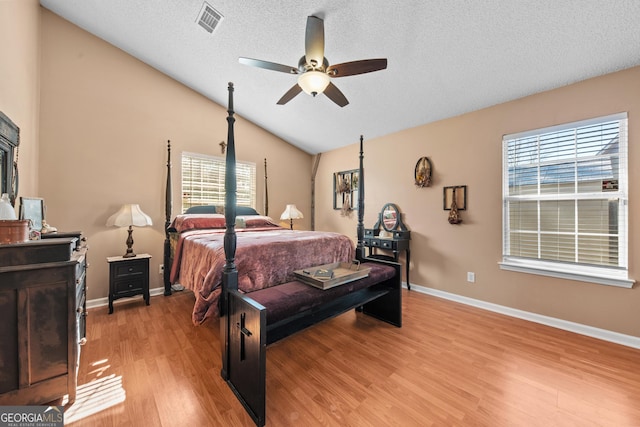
243 269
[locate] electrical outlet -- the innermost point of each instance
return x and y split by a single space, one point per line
471 277
161 269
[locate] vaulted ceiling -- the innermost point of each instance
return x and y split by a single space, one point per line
445 58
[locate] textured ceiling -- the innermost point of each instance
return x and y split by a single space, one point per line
445 58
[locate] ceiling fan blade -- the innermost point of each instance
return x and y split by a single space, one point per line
268 65
334 94
291 93
357 67
314 42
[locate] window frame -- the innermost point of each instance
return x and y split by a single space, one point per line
593 273
220 163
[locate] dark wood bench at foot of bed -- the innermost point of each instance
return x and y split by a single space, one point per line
263 317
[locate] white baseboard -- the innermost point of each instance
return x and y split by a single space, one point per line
101 302
603 334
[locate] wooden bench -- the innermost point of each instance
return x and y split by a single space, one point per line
263 317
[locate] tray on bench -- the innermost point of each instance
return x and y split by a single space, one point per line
329 275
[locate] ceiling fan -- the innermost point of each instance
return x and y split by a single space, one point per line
314 72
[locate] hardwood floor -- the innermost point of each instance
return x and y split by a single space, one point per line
449 365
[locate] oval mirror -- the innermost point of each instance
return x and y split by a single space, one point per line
390 217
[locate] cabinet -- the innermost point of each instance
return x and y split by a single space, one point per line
394 237
42 312
128 277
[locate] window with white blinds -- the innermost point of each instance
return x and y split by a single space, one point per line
565 201
203 181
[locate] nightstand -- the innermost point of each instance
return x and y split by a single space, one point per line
128 277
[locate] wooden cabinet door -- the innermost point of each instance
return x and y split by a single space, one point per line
37 317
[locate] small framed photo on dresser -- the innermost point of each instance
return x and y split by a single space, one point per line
32 208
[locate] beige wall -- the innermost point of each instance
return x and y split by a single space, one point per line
466 150
105 120
19 85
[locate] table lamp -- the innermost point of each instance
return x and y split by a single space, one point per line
291 213
128 216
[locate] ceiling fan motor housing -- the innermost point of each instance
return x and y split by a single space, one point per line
303 66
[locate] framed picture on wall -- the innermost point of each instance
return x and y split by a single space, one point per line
345 190
32 208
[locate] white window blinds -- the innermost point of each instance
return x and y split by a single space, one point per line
565 198
203 181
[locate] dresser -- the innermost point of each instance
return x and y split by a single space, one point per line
42 319
81 288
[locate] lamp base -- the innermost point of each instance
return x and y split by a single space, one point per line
129 253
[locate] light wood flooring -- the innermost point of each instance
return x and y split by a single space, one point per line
449 365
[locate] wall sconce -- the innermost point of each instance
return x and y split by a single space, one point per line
127 216
290 213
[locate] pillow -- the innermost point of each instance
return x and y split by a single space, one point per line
197 222
202 210
255 221
246 210
188 222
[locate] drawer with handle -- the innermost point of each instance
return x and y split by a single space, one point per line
127 286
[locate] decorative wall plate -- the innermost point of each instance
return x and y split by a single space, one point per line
422 173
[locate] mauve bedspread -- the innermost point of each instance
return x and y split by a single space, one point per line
264 257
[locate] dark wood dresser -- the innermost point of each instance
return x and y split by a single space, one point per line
42 319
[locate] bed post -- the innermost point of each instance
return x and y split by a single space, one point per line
230 273
360 227
243 325
167 223
266 190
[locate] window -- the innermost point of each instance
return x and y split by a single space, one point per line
565 201
203 181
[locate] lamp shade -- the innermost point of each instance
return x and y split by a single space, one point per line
291 212
6 210
129 215
313 82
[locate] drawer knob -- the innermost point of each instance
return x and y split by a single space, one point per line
130 269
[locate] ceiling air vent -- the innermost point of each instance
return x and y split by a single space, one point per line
209 18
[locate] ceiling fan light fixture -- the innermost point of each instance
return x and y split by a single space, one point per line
313 82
